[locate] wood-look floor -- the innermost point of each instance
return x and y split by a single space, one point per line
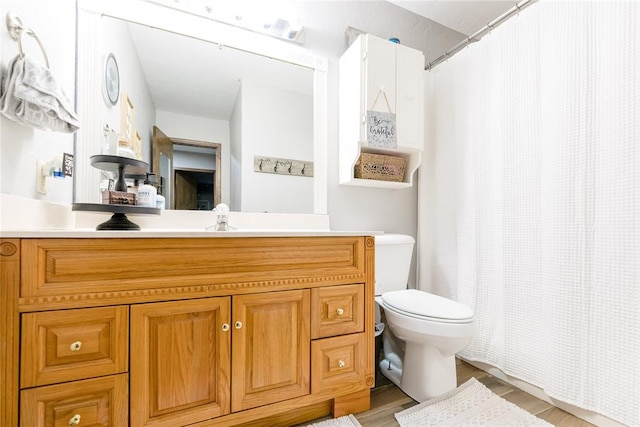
387 399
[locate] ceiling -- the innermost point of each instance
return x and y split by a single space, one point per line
465 17
210 88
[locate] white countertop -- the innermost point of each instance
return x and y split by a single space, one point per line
174 233
27 218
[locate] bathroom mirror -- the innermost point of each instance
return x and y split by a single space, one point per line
173 30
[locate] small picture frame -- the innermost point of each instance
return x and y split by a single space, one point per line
137 145
127 127
67 164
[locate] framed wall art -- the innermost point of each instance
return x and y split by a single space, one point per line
127 128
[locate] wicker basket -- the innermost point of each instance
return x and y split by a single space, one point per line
380 167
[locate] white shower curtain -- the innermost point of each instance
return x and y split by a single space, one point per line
530 199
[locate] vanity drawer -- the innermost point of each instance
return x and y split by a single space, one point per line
338 363
97 402
68 345
53 267
337 310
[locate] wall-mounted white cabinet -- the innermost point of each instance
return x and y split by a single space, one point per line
379 75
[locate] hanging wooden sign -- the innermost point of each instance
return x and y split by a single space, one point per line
381 126
381 129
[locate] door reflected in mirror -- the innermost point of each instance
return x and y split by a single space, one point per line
194 190
164 187
189 177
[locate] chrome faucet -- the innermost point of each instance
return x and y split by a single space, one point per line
222 218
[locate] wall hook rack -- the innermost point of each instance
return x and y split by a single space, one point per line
267 164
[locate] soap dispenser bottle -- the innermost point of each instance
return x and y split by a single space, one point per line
147 194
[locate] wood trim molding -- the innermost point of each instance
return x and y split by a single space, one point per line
90 299
369 311
90 135
9 330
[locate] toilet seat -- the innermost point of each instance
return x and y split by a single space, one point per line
425 306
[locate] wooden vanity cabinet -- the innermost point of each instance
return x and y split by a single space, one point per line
213 331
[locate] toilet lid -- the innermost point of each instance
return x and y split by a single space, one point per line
424 304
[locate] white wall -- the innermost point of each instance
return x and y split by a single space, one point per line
277 123
116 39
183 126
21 146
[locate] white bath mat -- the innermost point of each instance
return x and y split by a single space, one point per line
346 421
471 404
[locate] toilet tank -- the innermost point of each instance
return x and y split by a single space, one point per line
392 262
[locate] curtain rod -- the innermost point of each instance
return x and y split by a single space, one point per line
475 37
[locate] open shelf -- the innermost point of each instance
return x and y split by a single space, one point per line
374 183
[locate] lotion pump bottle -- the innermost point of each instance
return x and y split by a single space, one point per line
147 194
160 201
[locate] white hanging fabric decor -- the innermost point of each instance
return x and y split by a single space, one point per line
530 200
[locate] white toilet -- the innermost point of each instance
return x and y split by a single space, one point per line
423 331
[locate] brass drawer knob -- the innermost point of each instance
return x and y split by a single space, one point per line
341 364
225 327
76 346
75 420
340 311
238 324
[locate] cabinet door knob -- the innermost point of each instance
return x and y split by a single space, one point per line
238 324
225 327
75 347
340 311
75 420
341 364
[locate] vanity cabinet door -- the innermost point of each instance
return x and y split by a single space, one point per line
179 361
270 347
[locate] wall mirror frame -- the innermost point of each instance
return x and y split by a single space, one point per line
90 62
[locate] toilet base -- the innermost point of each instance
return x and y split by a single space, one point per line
391 372
429 373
